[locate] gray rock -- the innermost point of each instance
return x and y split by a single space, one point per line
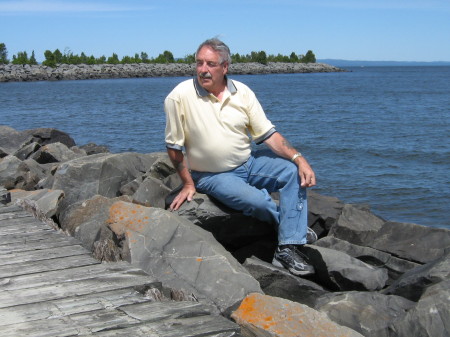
11 139
279 282
356 226
3 153
92 148
181 255
26 150
231 228
430 317
102 174
46 136
340 272
369 313
415 282
323 212
15 173
5 196
55 153
151 193
411 241
395 266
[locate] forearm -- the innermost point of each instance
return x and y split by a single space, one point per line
280 145
179 163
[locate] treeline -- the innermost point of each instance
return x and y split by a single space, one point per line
57 57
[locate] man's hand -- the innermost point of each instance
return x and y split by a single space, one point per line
186 193
306 173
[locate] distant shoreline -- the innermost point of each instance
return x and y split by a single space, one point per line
26 73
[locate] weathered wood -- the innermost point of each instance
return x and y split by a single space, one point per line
47 241
32 267
51 286
43 254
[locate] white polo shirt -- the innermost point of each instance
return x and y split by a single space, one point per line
215 134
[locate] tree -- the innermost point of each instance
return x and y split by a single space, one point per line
32 59
3 54
114 59
20 58
49 59
309 57
293 57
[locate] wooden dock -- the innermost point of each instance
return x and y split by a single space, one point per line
51 286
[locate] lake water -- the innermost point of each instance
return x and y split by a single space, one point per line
374 135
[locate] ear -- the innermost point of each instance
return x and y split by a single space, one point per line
225 68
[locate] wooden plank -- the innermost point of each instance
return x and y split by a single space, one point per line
31 267
69 306
47 241
43 254
10 208
21 225
57 277
169 320
113 281
45 234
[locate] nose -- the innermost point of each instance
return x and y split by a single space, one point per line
203 68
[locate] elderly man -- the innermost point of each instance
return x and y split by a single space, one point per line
215 119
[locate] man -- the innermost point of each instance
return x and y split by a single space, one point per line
211 116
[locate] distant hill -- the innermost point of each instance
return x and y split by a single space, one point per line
350 63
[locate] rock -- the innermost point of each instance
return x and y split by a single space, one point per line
261 315
279 282
54 153
429 318
15 173
151 192
26 150
100 174
42 203
231 228
10 139
46 136
87 221
323 212
181 255
414 282
3 153
411 241
339 271
5 196
369 313
356 226
395 266
92 148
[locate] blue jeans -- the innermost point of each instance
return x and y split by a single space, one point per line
247 188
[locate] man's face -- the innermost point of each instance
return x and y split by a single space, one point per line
210 70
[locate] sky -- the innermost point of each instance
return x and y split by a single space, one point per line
370 30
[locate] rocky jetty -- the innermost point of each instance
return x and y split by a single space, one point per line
11 72
374 277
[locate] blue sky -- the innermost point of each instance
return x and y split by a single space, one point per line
375 30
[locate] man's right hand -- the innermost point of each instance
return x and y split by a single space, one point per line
186 193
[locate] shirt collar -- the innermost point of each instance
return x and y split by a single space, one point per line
202 92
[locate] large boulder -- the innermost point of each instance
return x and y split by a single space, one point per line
414 282
355 225
340 272
99 174
369 313
279 282
411 241
180 254
323 212
430 317
15 173
11 139
46 136
395 266
54 153
266 316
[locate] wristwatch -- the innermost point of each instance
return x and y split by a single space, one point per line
295 156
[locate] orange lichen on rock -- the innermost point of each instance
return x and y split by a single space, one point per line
125 217
279 317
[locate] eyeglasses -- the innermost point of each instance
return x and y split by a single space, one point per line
209 64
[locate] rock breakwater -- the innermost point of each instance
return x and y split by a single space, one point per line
374 277
22 73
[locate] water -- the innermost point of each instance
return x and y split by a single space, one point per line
375 135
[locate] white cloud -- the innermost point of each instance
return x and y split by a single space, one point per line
26 6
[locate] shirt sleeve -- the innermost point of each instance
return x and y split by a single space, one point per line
174 133
260 127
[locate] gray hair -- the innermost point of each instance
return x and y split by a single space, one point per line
218 46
